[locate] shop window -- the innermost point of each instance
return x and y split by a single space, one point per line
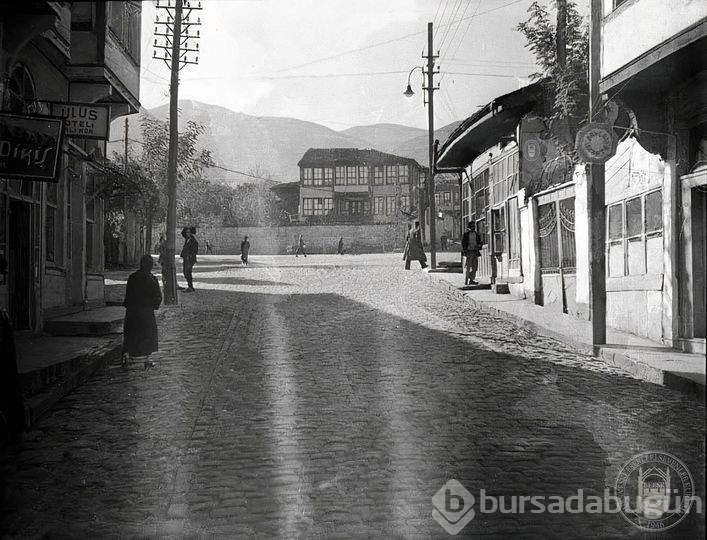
499 230
50 231
635 236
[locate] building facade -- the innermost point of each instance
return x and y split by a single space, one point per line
359 186
656 191
79 61
531 204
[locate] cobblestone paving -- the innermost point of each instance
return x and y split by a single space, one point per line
331 397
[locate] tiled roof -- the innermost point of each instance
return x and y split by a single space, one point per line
322 157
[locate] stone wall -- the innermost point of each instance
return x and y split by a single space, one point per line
318 238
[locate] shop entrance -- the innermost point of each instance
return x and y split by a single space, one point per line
19 262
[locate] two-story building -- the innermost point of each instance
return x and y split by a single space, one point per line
79 61
352 185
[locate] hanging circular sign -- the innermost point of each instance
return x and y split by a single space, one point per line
595 143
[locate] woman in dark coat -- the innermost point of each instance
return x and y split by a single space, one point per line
142 297
413 248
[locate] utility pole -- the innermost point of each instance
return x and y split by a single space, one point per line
431 139
176 49
595 188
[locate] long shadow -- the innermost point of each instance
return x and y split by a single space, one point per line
321 416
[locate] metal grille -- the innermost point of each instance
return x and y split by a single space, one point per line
567 247
547 233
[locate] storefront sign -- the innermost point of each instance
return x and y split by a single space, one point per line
84 121
595 143
30 146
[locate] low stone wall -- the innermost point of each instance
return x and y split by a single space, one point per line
318 238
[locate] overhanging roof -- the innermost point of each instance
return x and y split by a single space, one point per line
484 128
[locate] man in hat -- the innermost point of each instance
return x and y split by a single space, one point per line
189 251
471 246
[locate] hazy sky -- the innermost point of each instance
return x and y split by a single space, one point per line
343 63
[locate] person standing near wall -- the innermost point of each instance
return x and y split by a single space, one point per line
245 250
413 249
300 247
340 247
189 252
471 246
142 298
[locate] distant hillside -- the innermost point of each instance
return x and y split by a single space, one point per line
417 148
383 137
273 145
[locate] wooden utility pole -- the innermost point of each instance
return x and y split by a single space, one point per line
595 188
431 138
169 270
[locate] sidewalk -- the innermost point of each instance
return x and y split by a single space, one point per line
639 356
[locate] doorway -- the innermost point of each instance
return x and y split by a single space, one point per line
19 262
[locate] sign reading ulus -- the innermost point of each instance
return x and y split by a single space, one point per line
30 146
83 120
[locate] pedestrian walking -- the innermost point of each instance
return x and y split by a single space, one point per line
340 247
443 241
161 249
300 247
413 249
245 250
209 248
142 298
471 247
189 252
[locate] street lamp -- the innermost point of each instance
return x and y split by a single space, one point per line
408 91
430 122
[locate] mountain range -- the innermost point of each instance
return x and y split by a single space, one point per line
272 146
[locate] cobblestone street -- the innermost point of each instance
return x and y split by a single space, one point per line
332 397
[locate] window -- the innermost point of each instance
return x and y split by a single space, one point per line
499 229
318 177
391 174
50 229
363 175
378 176
124 23
307 176
328 175
477 190
340 176
317 206
403 174
405 203
438 198
379 206
351 174
447 196
390 205
90 219
455 197
635 236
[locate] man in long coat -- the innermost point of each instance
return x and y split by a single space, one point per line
414 250
189 252
142 298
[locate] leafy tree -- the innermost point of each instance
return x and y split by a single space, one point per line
562 51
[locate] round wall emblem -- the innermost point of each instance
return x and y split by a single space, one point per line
596 143
655 491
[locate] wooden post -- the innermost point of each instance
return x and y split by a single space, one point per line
595 195
169 270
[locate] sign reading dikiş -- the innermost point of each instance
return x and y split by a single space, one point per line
83 120
30 146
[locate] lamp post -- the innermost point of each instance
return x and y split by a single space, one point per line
430 124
